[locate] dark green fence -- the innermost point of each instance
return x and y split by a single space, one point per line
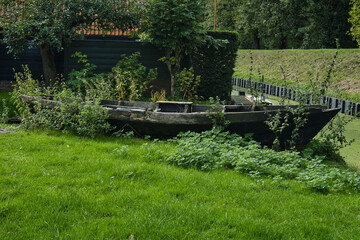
31 57
104 53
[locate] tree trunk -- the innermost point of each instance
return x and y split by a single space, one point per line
173 65
48 63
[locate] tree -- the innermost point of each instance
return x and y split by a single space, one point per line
326 22
226 12
294 23
175 26
273 22
52 23
355 20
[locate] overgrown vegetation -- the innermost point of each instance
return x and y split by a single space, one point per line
70 111
128 80
215 150
188 83
76 107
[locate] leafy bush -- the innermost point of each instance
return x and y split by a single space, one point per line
131 77
204 150
215 64
214 150
188 83
78 78
69 111
127 80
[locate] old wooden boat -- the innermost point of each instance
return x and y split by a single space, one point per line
167 119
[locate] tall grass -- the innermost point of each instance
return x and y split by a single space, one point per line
61 186
305 65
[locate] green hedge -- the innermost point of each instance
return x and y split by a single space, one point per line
216 65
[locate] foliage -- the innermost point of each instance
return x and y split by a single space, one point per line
4 113
158 96
327 22
204 150
131 77
127 80
274 24
7 108
215 149
217 114
188 83
68 112
333 133
53 23
225 14
77 78
355 20
277 124
215 64
175 26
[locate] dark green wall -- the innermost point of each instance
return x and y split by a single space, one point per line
31 57
106 53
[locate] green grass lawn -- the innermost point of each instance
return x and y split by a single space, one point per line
65 187
351 153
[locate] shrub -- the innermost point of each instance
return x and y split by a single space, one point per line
70 112
127 80
215 149
187 83
131 77
215 64
204 150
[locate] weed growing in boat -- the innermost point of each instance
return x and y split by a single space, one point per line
127 80
131 77
187 83
331 138
256 89
217 113
101 87
158 96
277 124
283 95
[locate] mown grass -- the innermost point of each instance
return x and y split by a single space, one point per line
303 66
60 186
351 153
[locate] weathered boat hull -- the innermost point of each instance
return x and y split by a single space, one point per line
145 118
248 121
